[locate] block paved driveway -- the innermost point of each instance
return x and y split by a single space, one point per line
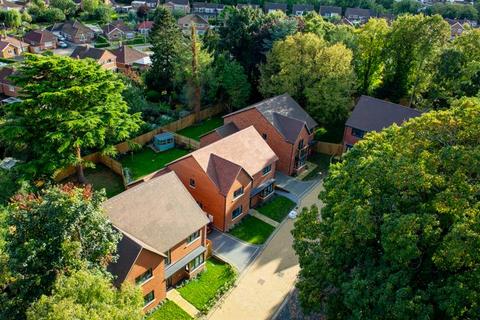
296 189
238 253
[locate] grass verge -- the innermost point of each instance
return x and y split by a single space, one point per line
252 230
277 208
205 290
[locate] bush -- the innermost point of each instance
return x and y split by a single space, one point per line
153 96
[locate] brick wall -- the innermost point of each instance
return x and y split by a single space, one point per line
243 180
146 260
284 150
205 192
348 138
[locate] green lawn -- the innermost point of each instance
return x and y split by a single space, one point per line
322 161
252 230
195 131
205 290
277 208
101 177
169 311
146 161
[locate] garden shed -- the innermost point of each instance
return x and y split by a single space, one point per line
164 141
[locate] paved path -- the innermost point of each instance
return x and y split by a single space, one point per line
264 218
296 189
264 286
175 296
234 251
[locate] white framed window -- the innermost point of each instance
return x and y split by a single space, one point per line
267 169
194 236
237 212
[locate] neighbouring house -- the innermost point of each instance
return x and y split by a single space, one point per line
11 47
269 7
40 40
180 6
207 10
229 176
129 58
103 57
457 27
74 31
145 27
301 9
164 236
248 5
152 4
185 24
372 114
329 12
358 15
9 5
117 30
283 124
137 4
7 88
345 21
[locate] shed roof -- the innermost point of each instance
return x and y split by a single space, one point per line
372 114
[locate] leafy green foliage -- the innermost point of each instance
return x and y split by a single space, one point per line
60 230
11 18
411 53
68 7
317 75
87 295
41 13
399 233
68 105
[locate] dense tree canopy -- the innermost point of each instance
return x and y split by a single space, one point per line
87 295
411 54
68 105
399 234
318 75
60 230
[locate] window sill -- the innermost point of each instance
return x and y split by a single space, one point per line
149 303
192 242
142 283
238 197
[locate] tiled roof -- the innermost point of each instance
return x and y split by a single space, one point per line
330 9
82 52
39 36
128 251
275 6
358 12
372 114
179 2
145 25
302 7
128 55
285 114
6 40
160 212
189 18
223 159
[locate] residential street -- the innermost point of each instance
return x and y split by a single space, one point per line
268 280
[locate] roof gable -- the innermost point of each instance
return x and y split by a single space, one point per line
160 213
371 114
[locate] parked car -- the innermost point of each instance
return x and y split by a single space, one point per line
62 44
61 38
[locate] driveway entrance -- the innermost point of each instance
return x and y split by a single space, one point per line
292 188
234 251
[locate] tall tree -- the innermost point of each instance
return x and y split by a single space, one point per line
368 54
194 79
11 18
60 230
67 105
68 7
458 71
87 295
399 233
318 75
166 39
412 50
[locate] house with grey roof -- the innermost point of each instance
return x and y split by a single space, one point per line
284 125
330 12
164 236
358 15
372 114
301 9
207 10
270 7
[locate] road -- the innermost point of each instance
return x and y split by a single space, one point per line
263 287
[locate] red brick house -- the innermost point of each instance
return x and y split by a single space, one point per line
282 123
229 176
145 27
103 57
40 40
372 114
128 58
164 236
6 86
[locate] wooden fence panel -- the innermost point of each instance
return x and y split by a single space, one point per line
187 142
332 149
